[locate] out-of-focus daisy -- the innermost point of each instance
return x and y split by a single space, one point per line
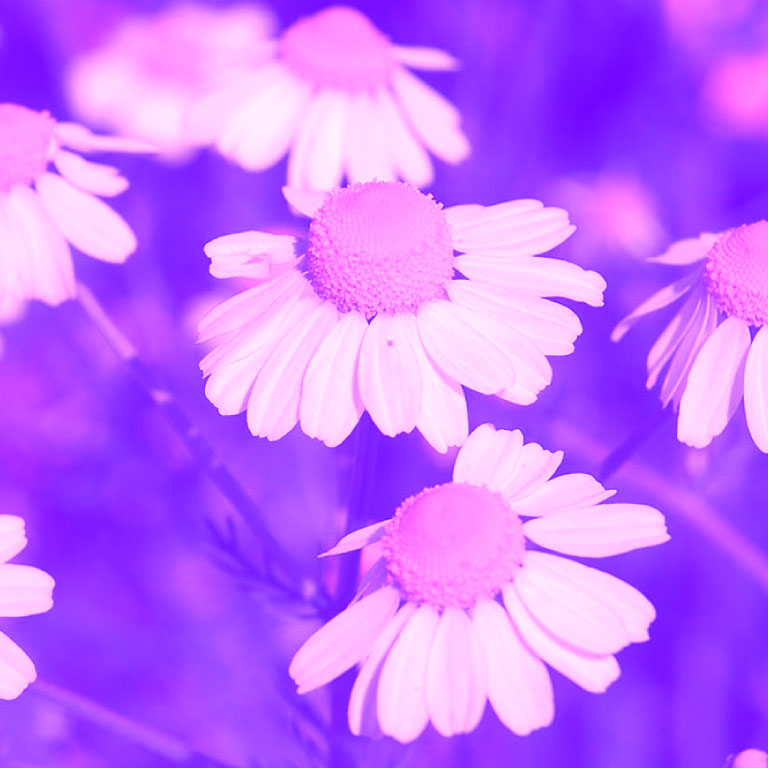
373 313
712 360
24 591
41 212
427 626
339 97
749 758
145 77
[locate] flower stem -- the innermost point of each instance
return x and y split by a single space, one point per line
157 742
276 567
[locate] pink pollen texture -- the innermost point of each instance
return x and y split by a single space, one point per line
736 273
381 246
452 545
25 141
338 48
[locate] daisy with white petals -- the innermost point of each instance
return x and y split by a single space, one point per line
337 96
24 591
150 71
715 348
376 313
42 213
461 608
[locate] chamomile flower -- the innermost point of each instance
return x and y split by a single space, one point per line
462 607
42 213
376 313
715 348
338 97
149 73
24 591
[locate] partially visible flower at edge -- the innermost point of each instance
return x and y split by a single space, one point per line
41 213
145 78
427 627
372 315
337 96
749 758
712 360
24 591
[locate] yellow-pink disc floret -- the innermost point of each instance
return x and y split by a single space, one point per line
453 545
736 273
379 247
338 48
25 143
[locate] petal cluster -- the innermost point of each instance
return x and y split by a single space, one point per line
285 355
708 360
421 663
24 591
314 107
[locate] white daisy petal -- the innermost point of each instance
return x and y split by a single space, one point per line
756 389
534 467
367 155
715 384
599 531
358 539
489 457
456 675
316 160
79 138
673 335
702 326
566 607
388 373
539 275
401 698
361 711
409 157
468 346
434 118
420 57
24 590
88 223
443 417
479 219
92 177
16 669
519 687
592 673
331 404
12 536
249 254
343 641
573 491
663 298
305 201
260 132
273 405
687 251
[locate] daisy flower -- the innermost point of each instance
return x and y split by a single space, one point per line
151 70
41 212
749 758
24 591
337 96
376 313
711 357
461 607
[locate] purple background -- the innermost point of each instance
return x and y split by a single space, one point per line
155 620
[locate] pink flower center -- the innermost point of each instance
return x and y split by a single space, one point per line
452 545
381 246
736 273
338 48
25 141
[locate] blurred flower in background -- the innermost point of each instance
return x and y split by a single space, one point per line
749 758
448 553
145 77
337 96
